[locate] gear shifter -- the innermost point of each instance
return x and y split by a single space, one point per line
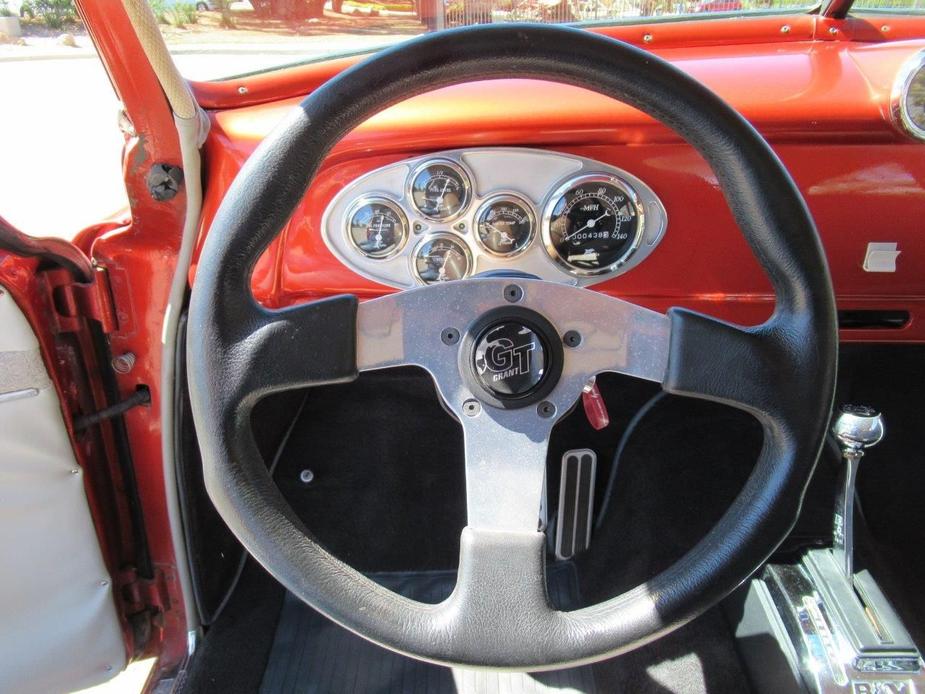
856 428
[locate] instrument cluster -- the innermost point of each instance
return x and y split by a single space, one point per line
455 214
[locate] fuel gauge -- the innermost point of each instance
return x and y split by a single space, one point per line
441 259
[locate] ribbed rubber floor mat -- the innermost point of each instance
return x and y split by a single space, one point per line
313 655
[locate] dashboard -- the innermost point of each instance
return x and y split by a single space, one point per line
454 214
567 185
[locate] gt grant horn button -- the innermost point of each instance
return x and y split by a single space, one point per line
510 360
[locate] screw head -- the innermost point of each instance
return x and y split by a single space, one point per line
242 90
306 476
471 408
785 29
123 363
513 293
546 409
833 30
449 336
572 338
647 38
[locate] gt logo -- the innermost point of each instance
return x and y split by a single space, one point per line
504 359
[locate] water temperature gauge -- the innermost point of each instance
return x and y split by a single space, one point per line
504 225
441 259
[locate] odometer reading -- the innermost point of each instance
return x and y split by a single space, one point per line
504 225
377 228
440 190
593 225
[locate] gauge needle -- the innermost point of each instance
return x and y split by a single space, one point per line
378 236
446 184
441 274
589 223
505 237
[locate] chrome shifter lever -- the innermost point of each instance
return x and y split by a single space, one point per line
856 428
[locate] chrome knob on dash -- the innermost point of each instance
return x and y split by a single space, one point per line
856 428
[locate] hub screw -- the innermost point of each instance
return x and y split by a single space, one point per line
572 338
513 293
450 336
546 409
306 476
471 408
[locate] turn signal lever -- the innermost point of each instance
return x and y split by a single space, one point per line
856 428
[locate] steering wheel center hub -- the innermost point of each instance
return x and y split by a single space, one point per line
510 359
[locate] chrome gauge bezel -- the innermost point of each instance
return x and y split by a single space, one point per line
553 199
900 113
464 176
385 202
532 177
494 199
453 238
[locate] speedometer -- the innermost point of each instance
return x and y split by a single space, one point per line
593 224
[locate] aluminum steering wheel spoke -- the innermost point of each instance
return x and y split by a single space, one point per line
580 334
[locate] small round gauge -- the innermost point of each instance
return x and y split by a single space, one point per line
377 227
440 190
504 225
593 224
441 259
909 95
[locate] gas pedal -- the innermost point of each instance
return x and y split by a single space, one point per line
576 502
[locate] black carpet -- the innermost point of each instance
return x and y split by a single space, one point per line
312 655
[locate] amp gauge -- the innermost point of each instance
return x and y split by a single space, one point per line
441 259
377 227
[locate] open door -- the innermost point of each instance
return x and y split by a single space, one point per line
59 625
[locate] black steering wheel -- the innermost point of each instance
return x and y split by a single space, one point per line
782 371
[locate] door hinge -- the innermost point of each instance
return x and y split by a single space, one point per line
75 301
144 602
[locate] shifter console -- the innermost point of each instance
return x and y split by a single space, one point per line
817 625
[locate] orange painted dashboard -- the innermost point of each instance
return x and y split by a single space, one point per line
824 105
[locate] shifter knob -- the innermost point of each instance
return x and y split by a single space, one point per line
857 427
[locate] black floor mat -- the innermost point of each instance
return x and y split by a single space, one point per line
312 654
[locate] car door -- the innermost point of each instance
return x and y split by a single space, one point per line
60 629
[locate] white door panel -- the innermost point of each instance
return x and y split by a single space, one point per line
58 625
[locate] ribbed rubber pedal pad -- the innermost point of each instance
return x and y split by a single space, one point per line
576 502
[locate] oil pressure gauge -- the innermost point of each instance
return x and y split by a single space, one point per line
377 227
440 190
441 259
592 224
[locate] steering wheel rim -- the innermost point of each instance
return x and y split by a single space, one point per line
782 371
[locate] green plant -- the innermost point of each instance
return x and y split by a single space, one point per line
159 9
183 13
55 13
5 10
